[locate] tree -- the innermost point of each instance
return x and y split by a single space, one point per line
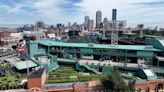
114 81
131 85
2 43
1 67
150 32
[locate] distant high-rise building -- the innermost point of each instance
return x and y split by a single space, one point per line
98 19
86 24
140 27
121 25
91 25
114 14
105 21
101 25
69 24
40 25
114 33
59 25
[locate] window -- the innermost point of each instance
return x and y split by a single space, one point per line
160 86
41 46
157 74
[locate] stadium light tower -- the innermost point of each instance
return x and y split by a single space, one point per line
117 25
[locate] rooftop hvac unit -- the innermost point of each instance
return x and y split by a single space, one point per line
91 44
148 47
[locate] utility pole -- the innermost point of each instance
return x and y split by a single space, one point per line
27 65
27 68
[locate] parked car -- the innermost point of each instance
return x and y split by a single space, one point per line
3 73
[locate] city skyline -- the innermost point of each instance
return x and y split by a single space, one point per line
148 12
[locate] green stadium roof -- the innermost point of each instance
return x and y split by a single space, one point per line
100 46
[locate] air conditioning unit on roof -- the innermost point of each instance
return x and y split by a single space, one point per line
90 44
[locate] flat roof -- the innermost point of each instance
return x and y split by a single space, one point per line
19 64
37 74
160 58
100 46
157 69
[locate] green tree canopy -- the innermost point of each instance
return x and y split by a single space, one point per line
150 32
2 43
114 81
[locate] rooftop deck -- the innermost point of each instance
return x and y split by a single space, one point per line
110 63
101 63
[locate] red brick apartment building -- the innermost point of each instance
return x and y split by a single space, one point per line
4 34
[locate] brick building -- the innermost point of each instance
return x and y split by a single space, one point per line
152 85
4 34
37 79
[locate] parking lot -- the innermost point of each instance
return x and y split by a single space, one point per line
6 53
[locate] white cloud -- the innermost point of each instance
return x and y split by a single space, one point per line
127 10
49 10
16 8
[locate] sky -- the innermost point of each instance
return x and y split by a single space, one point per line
148 12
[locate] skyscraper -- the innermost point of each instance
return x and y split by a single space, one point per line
114 34
98 19
91 25
105 22
140 27
40 25
114 14
69 24
86 24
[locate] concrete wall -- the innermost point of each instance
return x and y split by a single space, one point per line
77 88
43 78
